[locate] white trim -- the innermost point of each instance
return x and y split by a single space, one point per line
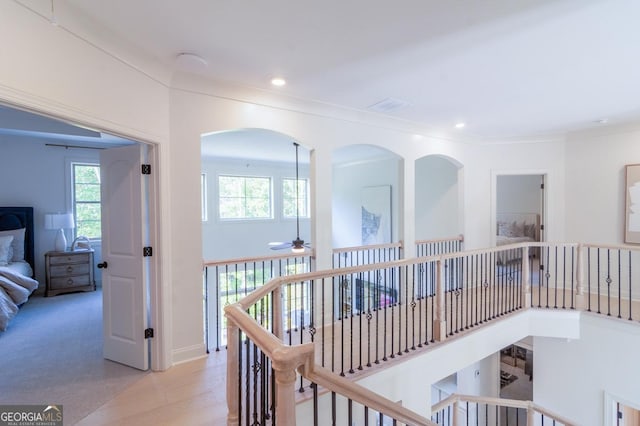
189 353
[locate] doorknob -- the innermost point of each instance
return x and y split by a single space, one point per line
102 265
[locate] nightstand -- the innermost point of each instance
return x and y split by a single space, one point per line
69 271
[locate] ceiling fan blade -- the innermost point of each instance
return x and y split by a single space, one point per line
279 246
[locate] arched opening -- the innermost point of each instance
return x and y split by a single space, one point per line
248 191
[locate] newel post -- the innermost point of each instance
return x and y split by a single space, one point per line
440 322
233 392
285 401
530 415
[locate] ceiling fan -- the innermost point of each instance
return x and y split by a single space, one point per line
298 245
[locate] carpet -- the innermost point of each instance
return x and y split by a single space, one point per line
51 353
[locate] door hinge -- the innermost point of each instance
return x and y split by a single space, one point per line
146 169
147 251
541 227
148 333
542 186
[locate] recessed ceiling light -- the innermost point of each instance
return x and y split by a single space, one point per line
278 81
459 125
602 121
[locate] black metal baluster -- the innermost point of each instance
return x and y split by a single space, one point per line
547 275
564 276
630 315
588 279
255 369
376 298
314 386
555 285
351 370
247 371
322 322
598 250
240 370
396 302
366 416
333 323
573 250
417 272
333 408
619 286
349 411
608 281
413 309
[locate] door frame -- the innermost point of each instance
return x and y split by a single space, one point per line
159 305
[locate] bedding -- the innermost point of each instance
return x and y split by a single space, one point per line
16 260
513 228
15 289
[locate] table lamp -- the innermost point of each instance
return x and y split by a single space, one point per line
59 221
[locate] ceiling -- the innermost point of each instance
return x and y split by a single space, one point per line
508 69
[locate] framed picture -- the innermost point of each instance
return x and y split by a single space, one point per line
376 215
632 211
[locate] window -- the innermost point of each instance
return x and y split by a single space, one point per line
86 200
244 197
203 197
289 197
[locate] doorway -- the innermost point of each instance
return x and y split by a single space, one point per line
46 145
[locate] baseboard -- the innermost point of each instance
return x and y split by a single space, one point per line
189 353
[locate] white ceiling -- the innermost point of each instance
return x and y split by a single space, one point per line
509 69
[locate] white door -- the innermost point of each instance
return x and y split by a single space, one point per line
124 277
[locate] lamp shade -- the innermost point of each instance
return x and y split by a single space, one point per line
58 221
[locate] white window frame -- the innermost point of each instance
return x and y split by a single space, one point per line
304 214
271 198
204 197
72 192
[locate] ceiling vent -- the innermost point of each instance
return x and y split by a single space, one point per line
388 105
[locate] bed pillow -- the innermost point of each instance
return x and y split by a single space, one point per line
5 249
17 245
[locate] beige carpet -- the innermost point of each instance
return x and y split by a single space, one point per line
52 354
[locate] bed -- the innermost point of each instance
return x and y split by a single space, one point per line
16 261
512 228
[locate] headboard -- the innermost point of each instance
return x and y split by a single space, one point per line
524 221
17 218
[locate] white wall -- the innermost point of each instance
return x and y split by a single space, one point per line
348 182
35 175
436 198
595 200
248 238
519 194
573 375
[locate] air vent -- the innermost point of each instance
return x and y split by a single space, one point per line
388 105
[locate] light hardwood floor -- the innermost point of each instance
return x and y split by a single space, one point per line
193 393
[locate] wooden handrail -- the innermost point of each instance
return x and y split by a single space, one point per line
442 240
333 382
369 247
501 402
258 259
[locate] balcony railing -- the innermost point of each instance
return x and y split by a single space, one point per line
477 410
353 318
